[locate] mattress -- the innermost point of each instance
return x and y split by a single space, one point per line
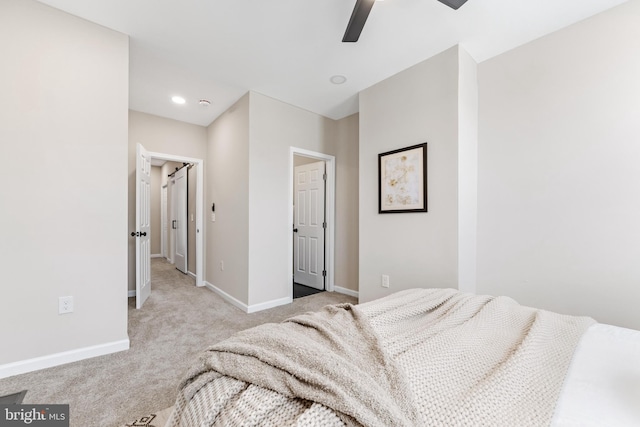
602 386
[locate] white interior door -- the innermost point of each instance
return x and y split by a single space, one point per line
308 220
143 229
180 220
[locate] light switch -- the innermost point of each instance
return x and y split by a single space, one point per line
191 217
213 217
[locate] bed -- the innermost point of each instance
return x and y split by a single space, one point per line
422 357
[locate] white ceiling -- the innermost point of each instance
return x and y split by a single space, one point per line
288 49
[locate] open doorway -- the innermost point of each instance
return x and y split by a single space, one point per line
309 226
312 213
142 200
193 214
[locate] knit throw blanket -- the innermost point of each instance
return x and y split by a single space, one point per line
416 358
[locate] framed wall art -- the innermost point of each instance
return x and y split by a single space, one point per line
402 180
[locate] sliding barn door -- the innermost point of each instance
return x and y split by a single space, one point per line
180 219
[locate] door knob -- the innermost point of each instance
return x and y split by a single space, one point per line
295 230
144 233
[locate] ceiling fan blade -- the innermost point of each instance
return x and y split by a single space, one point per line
358 18
454 4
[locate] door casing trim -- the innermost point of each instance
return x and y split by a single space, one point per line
330 194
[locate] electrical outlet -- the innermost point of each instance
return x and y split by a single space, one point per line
65 305
385 281
221 265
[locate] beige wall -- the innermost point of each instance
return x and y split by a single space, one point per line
160 135
65 227
467 171
275 127
227 178
248 180
345 140
301 160
156 186
347 238
559 181
417 105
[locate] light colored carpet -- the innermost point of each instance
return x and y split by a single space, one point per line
176 324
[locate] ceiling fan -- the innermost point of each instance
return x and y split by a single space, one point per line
361 12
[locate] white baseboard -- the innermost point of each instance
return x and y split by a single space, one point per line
244 307
269 304
346 291
191 274
131 293
37 363
233 301
155 256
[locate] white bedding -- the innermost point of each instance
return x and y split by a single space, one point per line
468 360
602 386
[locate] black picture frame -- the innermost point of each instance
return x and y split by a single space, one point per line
402 180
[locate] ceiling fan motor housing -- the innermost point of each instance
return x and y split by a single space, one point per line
454 4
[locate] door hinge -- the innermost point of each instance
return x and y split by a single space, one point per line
324 273
324 225
324 176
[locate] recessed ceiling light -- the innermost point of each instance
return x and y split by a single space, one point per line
204 102
178 99
338 79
